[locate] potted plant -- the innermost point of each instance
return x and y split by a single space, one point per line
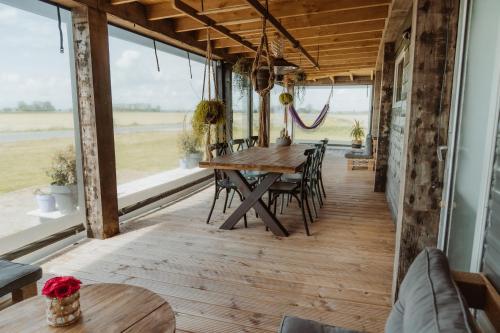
299 84
284 139
63 176
357 134
188 144
241 79
286 98
45 201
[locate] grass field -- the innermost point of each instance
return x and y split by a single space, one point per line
23 163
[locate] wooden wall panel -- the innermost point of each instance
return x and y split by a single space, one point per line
90 34
433 52
384 125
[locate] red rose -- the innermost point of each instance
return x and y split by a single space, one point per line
60 287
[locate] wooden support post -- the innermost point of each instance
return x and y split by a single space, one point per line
90 35
377 83
432 53
384 123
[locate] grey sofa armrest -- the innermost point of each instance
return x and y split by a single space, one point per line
298 325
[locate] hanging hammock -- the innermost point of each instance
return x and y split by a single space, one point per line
319 120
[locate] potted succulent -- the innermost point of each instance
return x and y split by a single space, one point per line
286 98
188 144
63 176
357 134
45 201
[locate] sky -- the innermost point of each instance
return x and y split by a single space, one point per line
33 69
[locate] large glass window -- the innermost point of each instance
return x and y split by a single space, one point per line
240 95
277 114
348 103
40 186
151 108
255 113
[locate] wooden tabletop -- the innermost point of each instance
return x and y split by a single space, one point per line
105 308
273 159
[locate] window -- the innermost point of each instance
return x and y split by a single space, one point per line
277 114
399 78
241 93
151 109
348 103
38 122
255 112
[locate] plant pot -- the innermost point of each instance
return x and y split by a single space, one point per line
193 160
64 311
183 163
46 203
356 144
65 197
283 142
262 79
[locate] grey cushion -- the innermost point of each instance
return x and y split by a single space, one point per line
298 325
429 301
15 276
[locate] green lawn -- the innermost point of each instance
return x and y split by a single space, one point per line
23 164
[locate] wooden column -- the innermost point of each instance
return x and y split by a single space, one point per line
90 35
377 83
432 52
384 124
264 120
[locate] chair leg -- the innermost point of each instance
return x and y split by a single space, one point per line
318 193
308 207
225 201
275 199
314 204
25 292
231 201
216 195
241 199
282 203
321 183
304 215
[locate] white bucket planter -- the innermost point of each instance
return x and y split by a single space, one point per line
46 203
190 161
65 197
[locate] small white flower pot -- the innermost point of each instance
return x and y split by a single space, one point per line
65 197
46 203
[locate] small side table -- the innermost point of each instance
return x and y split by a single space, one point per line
106 307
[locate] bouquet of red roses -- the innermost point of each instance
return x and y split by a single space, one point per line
61 287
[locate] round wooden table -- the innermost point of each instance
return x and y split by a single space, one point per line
106 307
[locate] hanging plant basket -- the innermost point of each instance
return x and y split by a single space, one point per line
286 98
207 112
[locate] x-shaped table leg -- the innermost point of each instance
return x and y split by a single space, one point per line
253 198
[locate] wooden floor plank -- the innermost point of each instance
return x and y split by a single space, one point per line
245 280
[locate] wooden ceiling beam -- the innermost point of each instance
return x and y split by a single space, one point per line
332 47
309 20
165 9
208 22
277 25
221 43
315 32
121 2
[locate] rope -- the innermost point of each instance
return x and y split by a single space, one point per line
189 62
59 25
156 56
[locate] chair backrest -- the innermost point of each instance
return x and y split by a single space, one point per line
220 149
252 141
236 145
307 168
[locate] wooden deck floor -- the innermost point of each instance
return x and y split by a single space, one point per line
245 280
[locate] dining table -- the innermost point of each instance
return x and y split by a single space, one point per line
274 161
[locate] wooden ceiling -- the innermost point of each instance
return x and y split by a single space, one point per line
327 38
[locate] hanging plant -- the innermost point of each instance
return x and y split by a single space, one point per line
300 88
207 112
241 80
286 98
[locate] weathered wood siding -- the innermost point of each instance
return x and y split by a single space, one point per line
396 137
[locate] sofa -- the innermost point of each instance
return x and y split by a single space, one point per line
431 298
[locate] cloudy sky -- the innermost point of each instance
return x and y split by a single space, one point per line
32 69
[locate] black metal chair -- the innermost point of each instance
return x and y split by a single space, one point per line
320 171
252 141
299 190
222 182
237 145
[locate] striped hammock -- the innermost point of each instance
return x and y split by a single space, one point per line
319 120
